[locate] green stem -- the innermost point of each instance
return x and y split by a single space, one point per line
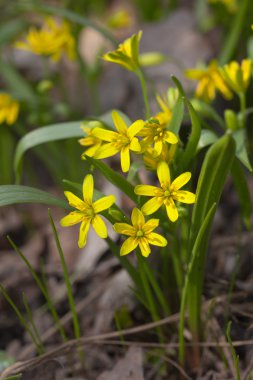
76 325
144 92
233 37
242 98
35 330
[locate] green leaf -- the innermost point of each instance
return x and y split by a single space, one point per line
192 143
43 135
241 186
177 116
206 138
18 86
116 179
14 194
241 151
199 245
214 171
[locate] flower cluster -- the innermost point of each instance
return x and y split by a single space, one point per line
226 80
53 39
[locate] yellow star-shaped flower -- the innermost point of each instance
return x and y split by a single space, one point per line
52 39
140 234
210 81
156 135
167 194
87 211
122 141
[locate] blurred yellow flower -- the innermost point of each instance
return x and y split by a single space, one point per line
140 234
119 19
210 81
127 54
237 76
53 39
87 211
231 5
167 193
122 141
9 109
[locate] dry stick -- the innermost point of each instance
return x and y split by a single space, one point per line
67 347
29 350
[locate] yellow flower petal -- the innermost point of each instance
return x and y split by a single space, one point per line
137 218
99 226
104 134
119 123
72 218
129 245
124 229
125 159
171 138
84 228
185 196
147 190
135 128
171 210
144 247
152 205
158 147
74 201
157 239
150 226
103 203
181 180
135 145
163 173
106 150
88 187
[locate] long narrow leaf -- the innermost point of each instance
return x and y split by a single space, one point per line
14 194
214 171
177 116
43 135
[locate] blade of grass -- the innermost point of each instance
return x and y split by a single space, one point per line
20 317
43 290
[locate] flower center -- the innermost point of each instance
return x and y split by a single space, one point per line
166 193
140 233
121 141
89 212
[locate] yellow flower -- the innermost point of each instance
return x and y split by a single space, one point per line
151 160
140 234
237 77
127 54
9 109
122 141
90 140
87 211
210 80
231 5
156 135
167 193
165 115
52 40
119 19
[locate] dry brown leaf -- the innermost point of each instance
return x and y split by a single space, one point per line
128 368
